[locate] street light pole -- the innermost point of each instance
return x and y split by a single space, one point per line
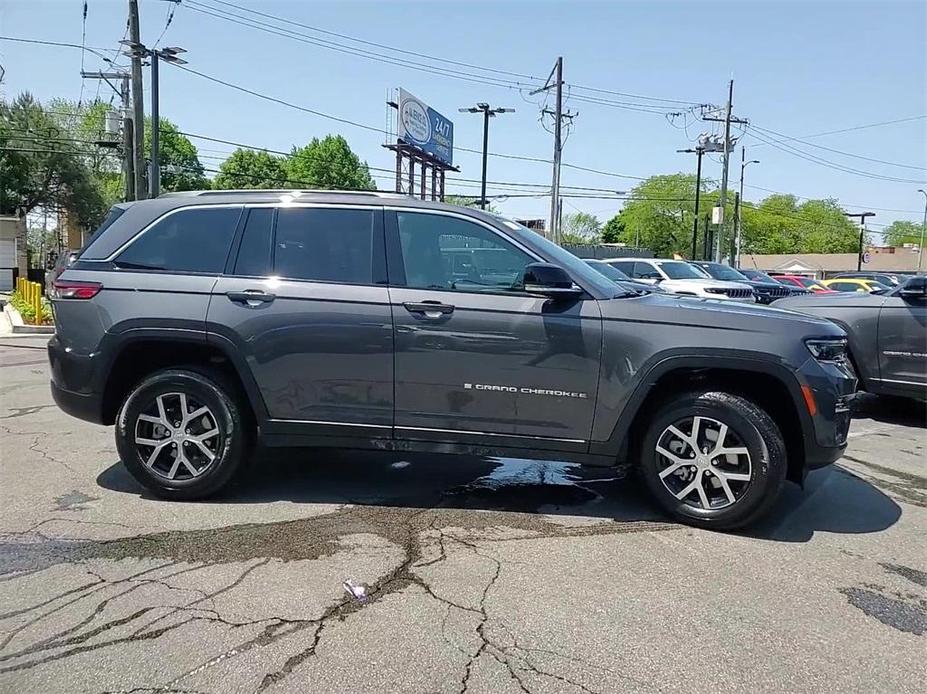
862 234
698 189
488 113
920 249
738 221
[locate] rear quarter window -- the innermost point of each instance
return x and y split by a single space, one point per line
194 240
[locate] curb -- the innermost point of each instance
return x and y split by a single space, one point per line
19 327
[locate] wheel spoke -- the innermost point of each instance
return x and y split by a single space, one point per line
183 408
696 425
739 450
689 488
150 442
206 435
208 453
151 419
722 435
196 413
727 489
190 467
155 453
702 496
173 471
733 476
161 410
682 437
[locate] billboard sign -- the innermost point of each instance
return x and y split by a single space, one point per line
425 129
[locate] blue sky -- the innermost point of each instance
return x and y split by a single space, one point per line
800 68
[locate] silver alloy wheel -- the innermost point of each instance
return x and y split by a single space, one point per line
703 463
177 437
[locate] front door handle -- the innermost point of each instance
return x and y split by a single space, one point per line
429 309
251 297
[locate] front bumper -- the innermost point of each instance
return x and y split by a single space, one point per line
831 387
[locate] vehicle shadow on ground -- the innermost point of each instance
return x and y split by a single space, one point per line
834 500
890 410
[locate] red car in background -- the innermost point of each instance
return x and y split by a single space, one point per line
805 282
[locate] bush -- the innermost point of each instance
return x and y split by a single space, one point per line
27 311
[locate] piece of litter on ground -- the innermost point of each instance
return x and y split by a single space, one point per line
398 465
355 590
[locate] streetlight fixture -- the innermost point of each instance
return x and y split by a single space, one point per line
740 203
920 249
169 54
488 113
862 234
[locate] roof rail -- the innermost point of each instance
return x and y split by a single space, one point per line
283 191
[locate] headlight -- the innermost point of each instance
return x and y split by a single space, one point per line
828 349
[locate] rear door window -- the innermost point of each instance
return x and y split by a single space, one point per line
194 240
626 266
326 245
646 271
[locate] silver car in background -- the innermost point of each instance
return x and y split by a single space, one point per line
680 277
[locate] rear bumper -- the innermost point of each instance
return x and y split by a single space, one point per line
86 406
72 379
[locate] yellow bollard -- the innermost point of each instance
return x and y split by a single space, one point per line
38 305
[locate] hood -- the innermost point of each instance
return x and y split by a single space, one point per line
729 315
714 284
840 300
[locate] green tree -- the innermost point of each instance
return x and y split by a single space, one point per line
901 232
180 163
40 166
660 212
779 224
247 168
329 163
613 230
580 228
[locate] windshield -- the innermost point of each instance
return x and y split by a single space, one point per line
607 270
576 267
678 270
810 283
722 272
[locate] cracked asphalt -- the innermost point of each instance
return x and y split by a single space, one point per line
481 575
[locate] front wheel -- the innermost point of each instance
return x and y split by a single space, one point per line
182 434
713 459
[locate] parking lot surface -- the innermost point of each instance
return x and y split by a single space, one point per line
480 575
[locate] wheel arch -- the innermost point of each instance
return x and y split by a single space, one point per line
138 353
772 385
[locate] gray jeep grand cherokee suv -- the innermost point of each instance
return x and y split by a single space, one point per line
199 323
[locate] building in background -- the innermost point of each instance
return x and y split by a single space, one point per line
894 259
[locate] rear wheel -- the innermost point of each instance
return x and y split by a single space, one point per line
182 434
714 459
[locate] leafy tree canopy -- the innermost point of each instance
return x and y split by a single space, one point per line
248 168
180 164
580 228
901 232
329 163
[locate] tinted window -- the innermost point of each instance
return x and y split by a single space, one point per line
918 283
254 251
721 272
327 245
193 240
625 266
845 286
609 271
646 271
449 253
678 270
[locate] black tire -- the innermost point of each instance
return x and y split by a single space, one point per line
210 389
755 430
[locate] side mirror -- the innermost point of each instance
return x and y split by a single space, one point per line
549 280
918 292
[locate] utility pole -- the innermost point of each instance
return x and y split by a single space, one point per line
557 76
862 234
920 249
738 211
487 114
699 151
138 106
128 168
727 120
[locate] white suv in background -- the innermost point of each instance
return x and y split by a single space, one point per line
680 277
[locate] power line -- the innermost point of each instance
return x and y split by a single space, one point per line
829 164
835 151
170 18
864 127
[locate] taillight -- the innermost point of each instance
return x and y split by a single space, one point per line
69 289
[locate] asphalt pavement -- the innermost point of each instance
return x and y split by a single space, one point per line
478 574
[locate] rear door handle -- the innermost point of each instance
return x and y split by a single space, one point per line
429 309
252 297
